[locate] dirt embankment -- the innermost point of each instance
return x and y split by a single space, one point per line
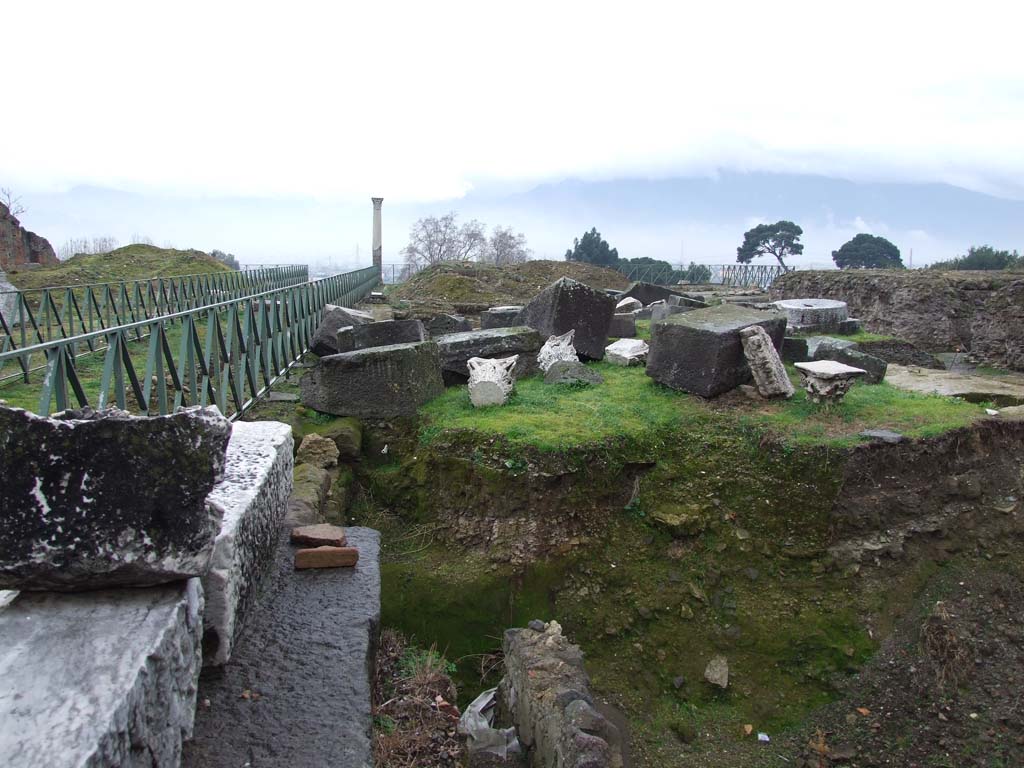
471 287
980 312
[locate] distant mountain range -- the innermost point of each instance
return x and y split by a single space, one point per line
677 219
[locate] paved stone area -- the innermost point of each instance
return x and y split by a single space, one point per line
296 691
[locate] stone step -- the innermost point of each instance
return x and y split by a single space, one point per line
297 689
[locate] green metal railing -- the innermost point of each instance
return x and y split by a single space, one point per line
227 353
36 316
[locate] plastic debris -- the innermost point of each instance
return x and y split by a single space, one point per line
763 737
477 725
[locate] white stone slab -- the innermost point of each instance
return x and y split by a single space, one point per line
101 678
626 352
830 369
254 496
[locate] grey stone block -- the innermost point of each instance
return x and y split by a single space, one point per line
648 292
820 347
875 366
883 435
499 317
102 678
623 326
568 305
686 301
382 334
97 499
253 496
308 653
571 372
439 325
794 349
849 326
660 312
335 318
379 382
700 352
455 349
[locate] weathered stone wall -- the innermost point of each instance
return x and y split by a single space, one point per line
981 312
99 678
19 246
547 692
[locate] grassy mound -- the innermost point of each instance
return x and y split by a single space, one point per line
133 262
471 287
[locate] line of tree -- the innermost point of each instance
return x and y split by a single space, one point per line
982 257
594 249
434 239
782 240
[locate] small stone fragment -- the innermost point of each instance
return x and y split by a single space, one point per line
318 451
322 535
717 672
326 557
626 352
629 304
883 435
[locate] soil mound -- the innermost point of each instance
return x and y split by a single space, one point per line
471 287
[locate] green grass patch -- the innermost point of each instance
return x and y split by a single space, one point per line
631 406
628 405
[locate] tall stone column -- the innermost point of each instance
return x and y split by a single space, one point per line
378 254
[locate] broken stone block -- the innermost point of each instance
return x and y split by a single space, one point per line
93 499
499 317
318 451
701 352
347 434
827 381
326 557
309 493
382 334
686 301
566 305
322 535
661 311
456 349
490 381
379 382
254 496
556 348
335 318
623 326
875 367
627 352
765 364
820 347
883 435
439 325
103 678
571 372
648 293
629 304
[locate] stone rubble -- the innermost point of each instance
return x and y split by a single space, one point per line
317 450
380 334
325 339
456 349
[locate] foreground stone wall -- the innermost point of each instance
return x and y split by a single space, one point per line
982 312
99 678
547 692
254 497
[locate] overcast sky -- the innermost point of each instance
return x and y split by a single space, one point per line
425 102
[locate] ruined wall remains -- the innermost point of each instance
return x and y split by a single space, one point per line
18 246
547 691
980 312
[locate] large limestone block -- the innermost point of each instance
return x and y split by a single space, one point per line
101 678
379 382
700 352
94 499
568 305
499 317
765 364
457 348
382 334
325 340
254 496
